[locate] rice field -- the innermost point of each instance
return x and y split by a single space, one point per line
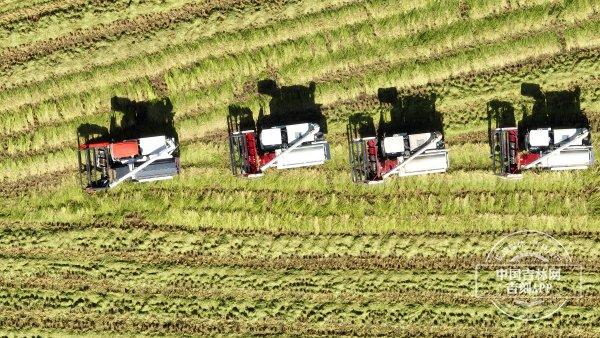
297 252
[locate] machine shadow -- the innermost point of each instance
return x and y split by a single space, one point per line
411 114
240 116
287 105
93 133
552 109
361 125
500 114
290 105
137 119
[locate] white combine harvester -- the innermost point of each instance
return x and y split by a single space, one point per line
375 159
378 155
104 165
555 136
547 148
252 152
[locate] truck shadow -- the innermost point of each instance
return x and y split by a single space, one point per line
287 105
361 125
411 114
137 119
552 109
500 114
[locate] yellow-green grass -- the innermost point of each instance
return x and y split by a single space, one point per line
84 15
462 106
302 251
198 100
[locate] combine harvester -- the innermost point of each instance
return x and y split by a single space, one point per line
105 164
270 142
538 143
378 155
252 152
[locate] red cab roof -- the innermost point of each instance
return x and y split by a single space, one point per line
125 149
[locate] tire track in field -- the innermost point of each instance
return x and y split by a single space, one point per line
36 11
310 263
139 25
137 222
125 323
106 285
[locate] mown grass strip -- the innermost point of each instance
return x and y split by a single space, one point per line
188 52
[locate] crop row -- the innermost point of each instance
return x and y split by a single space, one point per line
242 283
401 311
315 262
230 42
156 242
51 20
225 94
138 25
307 293
305 26
193 217
137 221
31 9
51 137
180 45
331 205
476 322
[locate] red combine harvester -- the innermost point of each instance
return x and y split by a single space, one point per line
104 165
373 159
391 151
283 147
142 147
547 148
291 135
536 144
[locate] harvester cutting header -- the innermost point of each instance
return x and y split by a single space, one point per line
292 135
555 136
411 142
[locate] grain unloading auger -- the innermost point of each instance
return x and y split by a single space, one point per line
376 158
252 152
104 165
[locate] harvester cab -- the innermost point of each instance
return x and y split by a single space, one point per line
409 144
108 160
291 136
543 140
